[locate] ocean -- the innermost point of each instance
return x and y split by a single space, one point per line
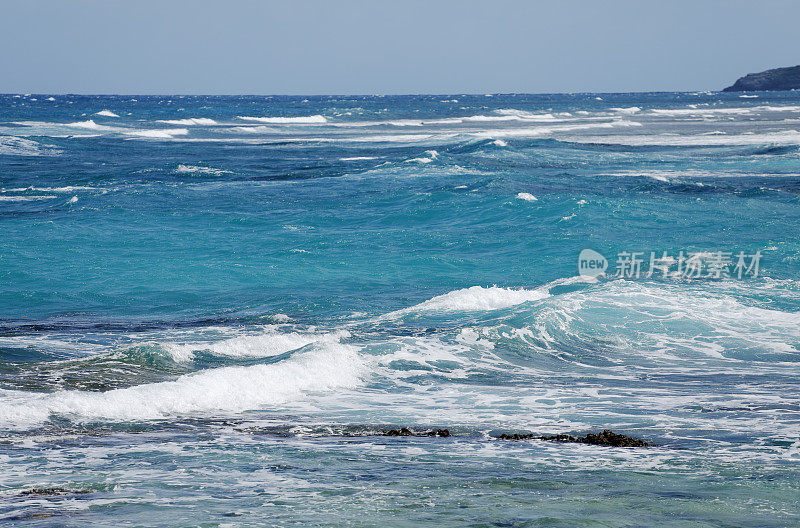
212 309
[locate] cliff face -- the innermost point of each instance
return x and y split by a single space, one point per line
776 79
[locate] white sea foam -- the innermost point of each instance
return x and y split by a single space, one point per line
784 137
90 125
16 146
106 113
270 343
198 169
628 111
313 119
526 196
552 129
164 133
512 115
431 155
65 189
324 368
26 198
189 121
393 138
476 298
666 175
358 158
503 115
255 129
693 110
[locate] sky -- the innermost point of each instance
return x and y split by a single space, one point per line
389 47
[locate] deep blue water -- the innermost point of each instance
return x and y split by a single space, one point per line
211 307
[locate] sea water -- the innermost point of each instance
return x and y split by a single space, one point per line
212 308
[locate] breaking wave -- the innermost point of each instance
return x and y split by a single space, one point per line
313 119
327 367
189 121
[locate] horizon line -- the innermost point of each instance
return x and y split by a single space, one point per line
461 94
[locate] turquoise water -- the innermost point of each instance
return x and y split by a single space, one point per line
212 307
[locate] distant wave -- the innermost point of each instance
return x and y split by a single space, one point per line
785 137
313 119
26 198
189 121
503 115
255 129
66 189
630 110
90 125
699 109
165 133
553 129
106 113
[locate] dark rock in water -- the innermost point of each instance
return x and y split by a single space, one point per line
606 438
611 438
442 433
51 491
775 79
401 432
517 436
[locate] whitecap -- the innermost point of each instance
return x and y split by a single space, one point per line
189 121
198 169
785 137
89 124
313 119
165 133
26 198
255 129
629 111
325 368
268 344
432 155
476 298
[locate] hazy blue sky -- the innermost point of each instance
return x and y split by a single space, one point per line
306 47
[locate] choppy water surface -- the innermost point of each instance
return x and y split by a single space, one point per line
212 307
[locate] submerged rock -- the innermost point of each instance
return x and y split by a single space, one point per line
51 491
404 431
605 438
775 79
